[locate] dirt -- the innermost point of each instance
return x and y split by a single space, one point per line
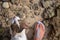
31 11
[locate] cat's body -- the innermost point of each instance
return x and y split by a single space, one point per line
20 36
18 30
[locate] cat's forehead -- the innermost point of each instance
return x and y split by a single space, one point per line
14 25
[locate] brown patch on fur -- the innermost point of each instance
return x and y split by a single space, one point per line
15 29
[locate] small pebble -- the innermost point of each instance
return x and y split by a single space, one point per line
5 5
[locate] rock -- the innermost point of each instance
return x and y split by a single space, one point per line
0 17
51 12
13 7
15 2
46 22
58 2
45 15
56 21
30 21
58 13
5 0
11 14
22 16
26 9
3 23
19 6
48 13
35 1
30 13
47 4
25 2
0 6
5 5
41 10
36 13
35 7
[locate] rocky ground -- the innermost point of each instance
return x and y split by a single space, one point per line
32 11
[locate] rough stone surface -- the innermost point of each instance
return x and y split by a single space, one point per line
47 11
5 5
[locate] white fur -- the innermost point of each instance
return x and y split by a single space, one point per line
16 20
20 36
